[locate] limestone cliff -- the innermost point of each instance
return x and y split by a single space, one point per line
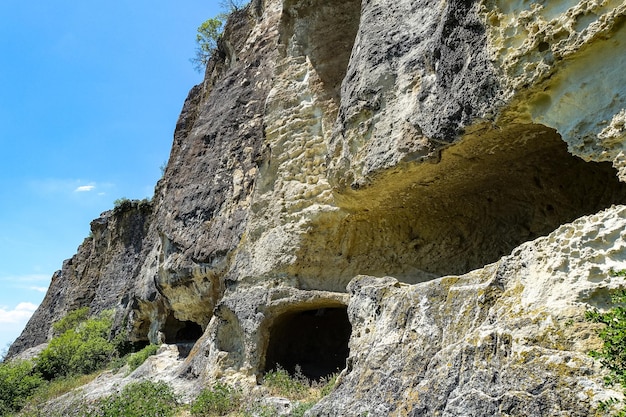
349 188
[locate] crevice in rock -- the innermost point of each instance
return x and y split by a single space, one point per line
313 342
492 191
324 31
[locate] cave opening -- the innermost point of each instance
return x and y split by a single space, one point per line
486 195
181 332
313 342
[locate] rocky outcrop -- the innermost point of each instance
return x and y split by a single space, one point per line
356 178
508 339
92 276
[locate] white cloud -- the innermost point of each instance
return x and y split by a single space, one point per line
55 186
20 314
84 188
39 289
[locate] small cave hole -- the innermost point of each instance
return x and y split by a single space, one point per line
190 333
313 342
181 332
543 46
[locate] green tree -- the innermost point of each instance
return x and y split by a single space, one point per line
82 349
18 381
209 33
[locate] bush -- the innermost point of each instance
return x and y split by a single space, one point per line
18 381
281 383
613 352
140 399
71 320
613 334
82 349
218 401
301 408
136 359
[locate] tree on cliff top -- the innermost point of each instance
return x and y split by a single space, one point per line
232 5
210 32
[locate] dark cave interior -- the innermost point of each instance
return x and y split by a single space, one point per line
315 342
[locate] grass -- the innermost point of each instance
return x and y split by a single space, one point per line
54 389
158 399
224 400
135 360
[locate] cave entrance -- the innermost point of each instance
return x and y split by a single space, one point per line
313 341
489 193
181 332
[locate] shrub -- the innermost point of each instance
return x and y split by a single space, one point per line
140 399
71 320
18 381
218 401
613 334
82 349
136 359
328 384
121 202
281 383
123 205
301 408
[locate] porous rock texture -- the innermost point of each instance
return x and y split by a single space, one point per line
376 165
507 339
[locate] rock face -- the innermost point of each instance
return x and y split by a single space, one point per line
507 339
353 181
91 277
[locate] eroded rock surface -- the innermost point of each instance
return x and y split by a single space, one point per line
91 277
508 339
415 141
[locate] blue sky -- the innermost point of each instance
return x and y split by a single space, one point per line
89 96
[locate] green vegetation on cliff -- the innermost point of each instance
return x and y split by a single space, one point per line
83 346
613 353
80 346
210 31
18 381
139 399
